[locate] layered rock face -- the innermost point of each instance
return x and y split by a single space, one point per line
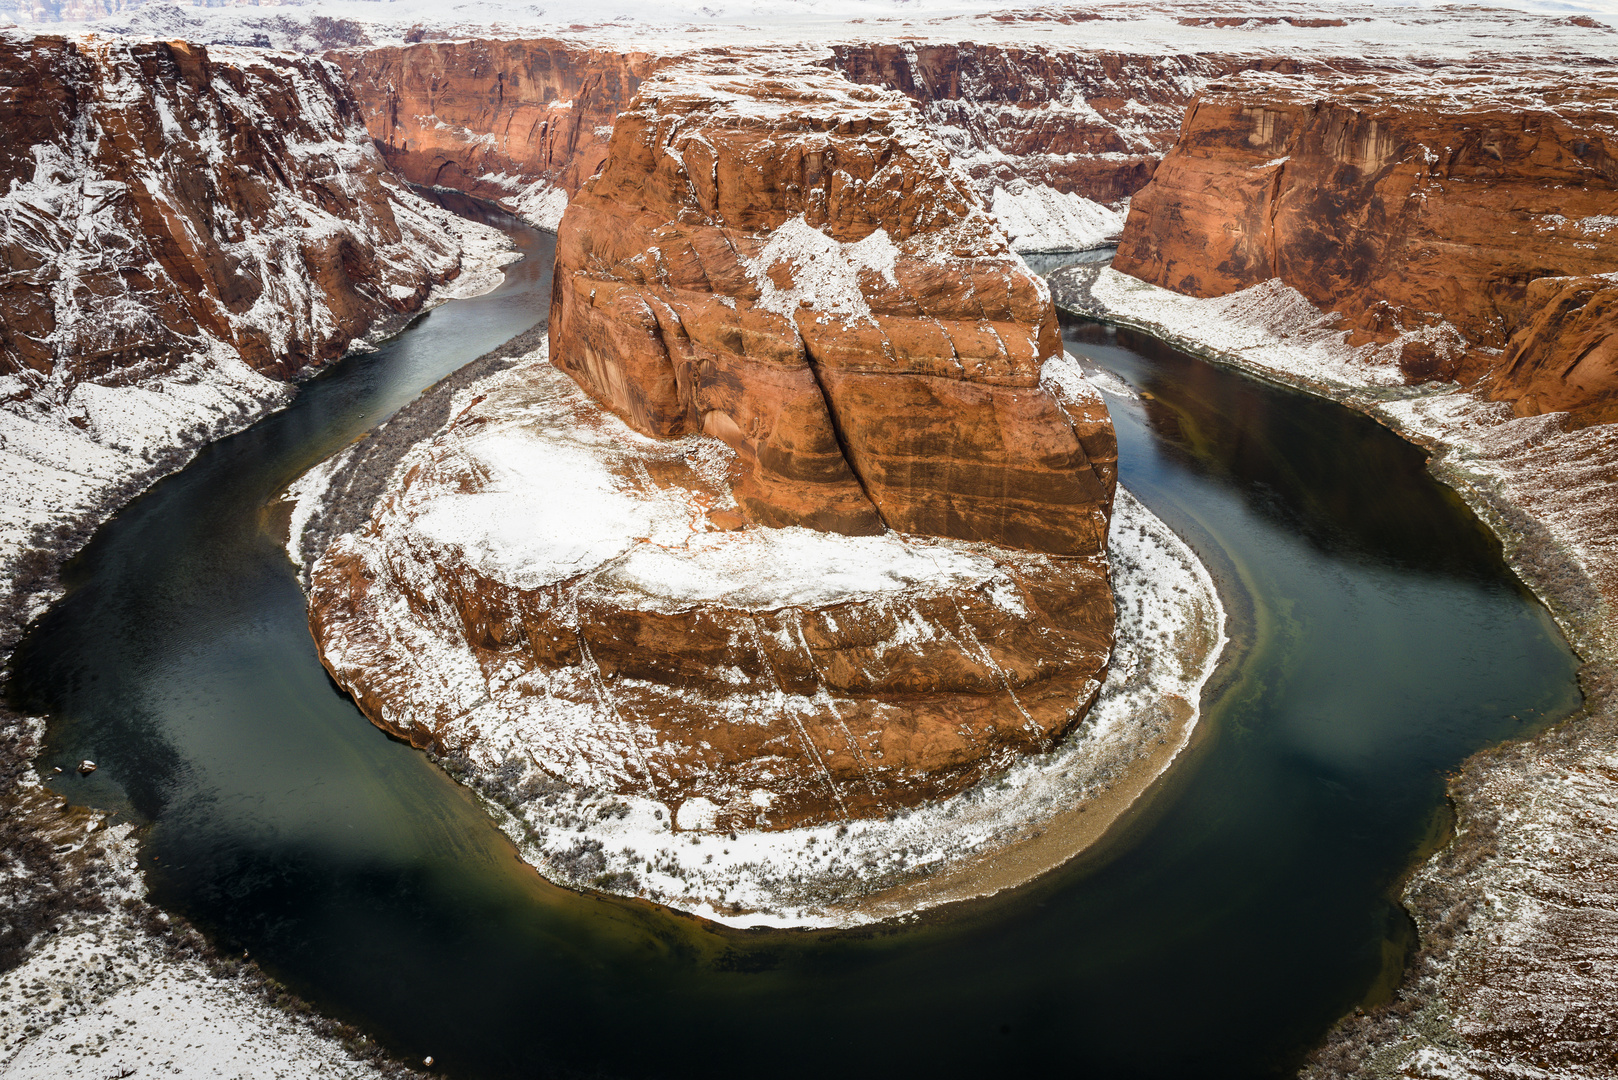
1092 123
162 198
1423 210
819 341
787 262
181 229
520 122
552 596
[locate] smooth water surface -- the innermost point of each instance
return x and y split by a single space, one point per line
1379 640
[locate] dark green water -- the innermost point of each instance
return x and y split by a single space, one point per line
1380 640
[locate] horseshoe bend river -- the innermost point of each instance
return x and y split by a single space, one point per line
1378 639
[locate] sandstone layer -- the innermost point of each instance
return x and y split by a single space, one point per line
786 261
544 592
520 122
1094 122
1465 220
161 197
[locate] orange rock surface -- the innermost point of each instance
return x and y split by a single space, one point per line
161 197
502 120
1422 207
788 262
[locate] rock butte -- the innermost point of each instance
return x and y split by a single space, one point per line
787 262
1471 224
778 271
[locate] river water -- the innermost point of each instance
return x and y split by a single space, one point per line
1379 639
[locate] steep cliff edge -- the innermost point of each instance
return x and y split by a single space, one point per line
788 262
182 229
809 334
521 122
1466 221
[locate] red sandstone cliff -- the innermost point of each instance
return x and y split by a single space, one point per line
778 277
523 122
162 197
1477 212
788 262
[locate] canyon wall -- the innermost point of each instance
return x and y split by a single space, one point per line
1092 123
1468 223
161 198
788 262
520 122
181 229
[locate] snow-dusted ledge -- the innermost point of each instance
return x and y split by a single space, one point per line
1037 217
1005 831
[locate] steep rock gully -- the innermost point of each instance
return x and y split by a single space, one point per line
1221 928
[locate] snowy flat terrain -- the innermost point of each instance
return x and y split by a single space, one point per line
1432 26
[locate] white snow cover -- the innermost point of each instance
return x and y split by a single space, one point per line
1433 25
1037 217
824 272
556 501
101 998
1270 326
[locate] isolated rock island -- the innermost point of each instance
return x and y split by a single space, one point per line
816 530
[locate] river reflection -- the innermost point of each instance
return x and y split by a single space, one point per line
1380 640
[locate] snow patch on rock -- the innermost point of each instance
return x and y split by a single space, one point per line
1036 217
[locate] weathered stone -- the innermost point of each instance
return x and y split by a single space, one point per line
788 262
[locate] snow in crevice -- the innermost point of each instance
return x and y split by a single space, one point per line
1036 217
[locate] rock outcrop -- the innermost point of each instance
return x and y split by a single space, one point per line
523 123
1424 210
788 262
552 597
820 342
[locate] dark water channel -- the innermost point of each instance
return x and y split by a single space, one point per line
1379 641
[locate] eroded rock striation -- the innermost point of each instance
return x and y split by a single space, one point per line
520 122
826 536
1467 222
788 262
